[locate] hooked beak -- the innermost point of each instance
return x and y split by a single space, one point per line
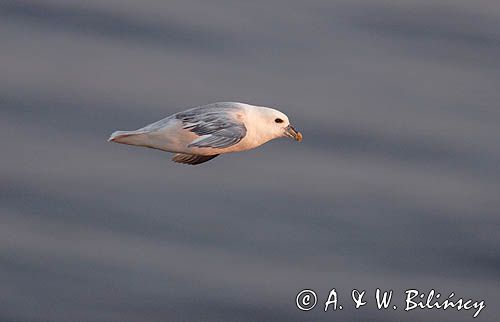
293 133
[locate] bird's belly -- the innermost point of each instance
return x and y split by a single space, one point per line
238 147
171 138
174 138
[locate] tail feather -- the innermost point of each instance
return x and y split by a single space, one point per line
116 134
129 137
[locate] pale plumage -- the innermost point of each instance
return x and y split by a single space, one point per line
200 134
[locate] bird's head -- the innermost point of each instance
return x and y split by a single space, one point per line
277 124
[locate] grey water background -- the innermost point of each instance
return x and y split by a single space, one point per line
396 184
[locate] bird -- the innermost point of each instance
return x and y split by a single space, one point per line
199 134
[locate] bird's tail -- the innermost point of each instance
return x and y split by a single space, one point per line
137 137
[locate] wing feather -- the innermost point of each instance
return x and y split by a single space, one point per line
192 159
217 125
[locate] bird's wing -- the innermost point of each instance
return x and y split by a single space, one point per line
192 159
218 125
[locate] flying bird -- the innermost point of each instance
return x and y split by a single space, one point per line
202 133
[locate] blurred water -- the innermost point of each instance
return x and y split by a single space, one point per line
396 184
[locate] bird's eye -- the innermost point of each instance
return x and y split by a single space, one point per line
278 120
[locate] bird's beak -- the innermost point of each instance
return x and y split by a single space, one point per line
293 133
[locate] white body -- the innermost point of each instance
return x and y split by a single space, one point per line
173 137
200 134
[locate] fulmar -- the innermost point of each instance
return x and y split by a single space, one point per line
201 133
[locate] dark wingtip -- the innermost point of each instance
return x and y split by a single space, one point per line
192 159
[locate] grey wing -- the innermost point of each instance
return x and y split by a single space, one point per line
217 125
